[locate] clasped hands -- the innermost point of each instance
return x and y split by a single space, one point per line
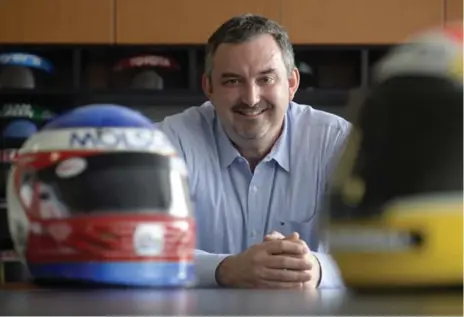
277 262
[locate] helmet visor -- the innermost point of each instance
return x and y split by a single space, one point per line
106 183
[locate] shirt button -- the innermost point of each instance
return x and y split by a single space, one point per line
254 189
253 233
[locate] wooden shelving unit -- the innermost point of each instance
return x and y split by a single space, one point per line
329 73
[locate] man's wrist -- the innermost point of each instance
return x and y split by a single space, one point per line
222 274
320 270
330 274
205 267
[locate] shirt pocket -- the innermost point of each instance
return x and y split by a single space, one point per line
304 224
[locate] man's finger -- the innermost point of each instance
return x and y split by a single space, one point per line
277 235
279 285
274 235
294 236
287 262
278 246
280 275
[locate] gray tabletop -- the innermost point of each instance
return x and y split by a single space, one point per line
221 302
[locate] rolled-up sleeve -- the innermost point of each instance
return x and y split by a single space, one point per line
205 267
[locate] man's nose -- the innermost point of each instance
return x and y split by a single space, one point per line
251 95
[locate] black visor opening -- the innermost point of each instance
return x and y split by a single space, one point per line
104 183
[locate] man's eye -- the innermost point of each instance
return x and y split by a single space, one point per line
266 80
231 82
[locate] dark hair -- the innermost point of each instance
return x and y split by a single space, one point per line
243 28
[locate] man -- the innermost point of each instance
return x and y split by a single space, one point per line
258 163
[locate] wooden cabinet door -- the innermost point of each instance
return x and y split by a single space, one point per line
180 21
358 21
56 21
453 11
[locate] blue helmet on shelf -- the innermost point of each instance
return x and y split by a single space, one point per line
19 70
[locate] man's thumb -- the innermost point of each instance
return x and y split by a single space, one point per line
274 235
295 236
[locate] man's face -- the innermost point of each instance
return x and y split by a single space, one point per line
250 88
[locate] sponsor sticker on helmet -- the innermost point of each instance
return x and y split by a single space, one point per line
149 239
8 155
147 140
71 167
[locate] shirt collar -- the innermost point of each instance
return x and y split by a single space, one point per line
228 153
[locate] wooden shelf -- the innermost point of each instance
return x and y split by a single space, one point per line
328 74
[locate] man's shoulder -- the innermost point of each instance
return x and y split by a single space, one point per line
318 136
191 119
191 131
307 117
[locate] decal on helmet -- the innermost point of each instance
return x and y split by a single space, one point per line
431 53
149 239
105 139
71 167
25 110
25 59
124 139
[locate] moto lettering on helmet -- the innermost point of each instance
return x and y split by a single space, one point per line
123 139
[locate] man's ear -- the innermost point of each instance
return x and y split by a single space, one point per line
206 86
293 82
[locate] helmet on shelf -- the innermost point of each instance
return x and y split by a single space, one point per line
19 70
145 72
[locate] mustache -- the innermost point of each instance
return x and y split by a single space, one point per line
245 107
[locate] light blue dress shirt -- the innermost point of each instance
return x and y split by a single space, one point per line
236 208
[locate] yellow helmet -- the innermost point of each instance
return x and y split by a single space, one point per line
395 204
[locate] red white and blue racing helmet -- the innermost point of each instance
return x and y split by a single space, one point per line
100 195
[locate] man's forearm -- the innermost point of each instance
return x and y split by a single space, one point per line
205 267
330 274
